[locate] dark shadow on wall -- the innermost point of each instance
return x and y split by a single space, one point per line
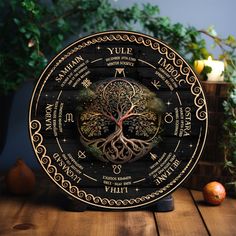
18 142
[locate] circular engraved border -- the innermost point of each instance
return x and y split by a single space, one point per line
37 138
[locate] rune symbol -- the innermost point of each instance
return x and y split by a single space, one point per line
86 83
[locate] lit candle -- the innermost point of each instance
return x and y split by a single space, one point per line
217 68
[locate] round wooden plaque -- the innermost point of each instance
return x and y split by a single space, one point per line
118 120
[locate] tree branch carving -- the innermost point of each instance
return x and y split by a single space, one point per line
121 122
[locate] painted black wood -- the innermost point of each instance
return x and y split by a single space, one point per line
118 120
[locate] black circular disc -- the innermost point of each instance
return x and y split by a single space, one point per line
118 120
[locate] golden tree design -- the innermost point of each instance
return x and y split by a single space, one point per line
121 120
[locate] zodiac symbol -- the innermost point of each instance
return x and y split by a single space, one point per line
81 155
69 117
116 169
169 117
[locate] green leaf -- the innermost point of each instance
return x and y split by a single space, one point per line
204 52
211 31
31 63
229 164
33 28
17 21
206 70
231 41
31 6
22 29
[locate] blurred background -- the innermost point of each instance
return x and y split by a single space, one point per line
215 17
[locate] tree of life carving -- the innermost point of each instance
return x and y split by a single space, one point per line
120 120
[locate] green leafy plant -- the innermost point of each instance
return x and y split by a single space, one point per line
25 41
31 32
230 137
229 143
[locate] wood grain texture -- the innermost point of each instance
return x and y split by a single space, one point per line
184 220
220 220
41 215
216 93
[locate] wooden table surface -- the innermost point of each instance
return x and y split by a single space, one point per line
41 214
